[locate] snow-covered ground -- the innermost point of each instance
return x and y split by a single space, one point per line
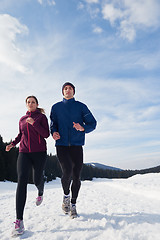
118 209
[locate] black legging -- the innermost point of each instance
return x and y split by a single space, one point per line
71 161
26 162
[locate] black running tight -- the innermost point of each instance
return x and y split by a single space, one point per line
71 161
26 162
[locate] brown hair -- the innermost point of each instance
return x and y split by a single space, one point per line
40 109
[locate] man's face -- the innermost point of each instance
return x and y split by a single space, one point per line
68 92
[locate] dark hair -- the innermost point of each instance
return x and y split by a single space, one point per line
70 84
40 109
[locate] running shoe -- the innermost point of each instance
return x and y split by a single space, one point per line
73 211
39 200
66 204
19 228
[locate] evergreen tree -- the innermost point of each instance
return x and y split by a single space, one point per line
2 164
8 163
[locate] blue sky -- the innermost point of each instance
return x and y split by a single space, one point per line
110 51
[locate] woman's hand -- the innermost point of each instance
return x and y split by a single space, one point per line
30 120
8 147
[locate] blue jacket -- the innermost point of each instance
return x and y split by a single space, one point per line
63 114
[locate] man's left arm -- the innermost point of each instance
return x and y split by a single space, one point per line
88 119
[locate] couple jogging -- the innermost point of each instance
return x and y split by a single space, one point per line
70 120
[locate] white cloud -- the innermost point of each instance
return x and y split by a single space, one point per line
10 54
127 31
151 112
97 30
149 61
49 2
123 157
111 13
40 1
91 6
92 1
80 5
130 16
144 12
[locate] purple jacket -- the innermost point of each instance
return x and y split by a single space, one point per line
31 137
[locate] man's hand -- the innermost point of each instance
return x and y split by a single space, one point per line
78 127
56 136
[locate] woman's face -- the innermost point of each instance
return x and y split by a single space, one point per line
31 104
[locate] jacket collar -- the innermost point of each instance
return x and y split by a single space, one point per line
33 113
69 100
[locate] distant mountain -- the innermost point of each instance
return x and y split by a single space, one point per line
102 166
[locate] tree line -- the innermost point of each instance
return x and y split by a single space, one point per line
8 171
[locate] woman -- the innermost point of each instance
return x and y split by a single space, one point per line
33 129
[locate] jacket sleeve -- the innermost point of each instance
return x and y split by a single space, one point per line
53 124
18 138
88 119
42 126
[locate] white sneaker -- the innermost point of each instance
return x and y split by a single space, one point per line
73 212
66 204
19 228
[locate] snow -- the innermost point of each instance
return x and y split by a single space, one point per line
121 209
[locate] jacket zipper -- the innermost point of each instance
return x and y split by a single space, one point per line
39 138
29 146
69 137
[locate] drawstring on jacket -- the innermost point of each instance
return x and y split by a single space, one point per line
29 146
39 138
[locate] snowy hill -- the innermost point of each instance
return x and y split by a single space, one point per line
102 166
121 209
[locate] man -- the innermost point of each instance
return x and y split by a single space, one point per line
70 120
